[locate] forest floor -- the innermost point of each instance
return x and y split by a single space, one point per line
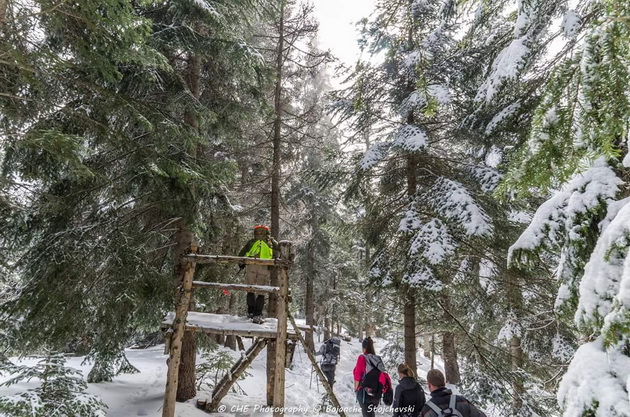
142 394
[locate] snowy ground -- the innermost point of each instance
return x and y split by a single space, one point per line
142 394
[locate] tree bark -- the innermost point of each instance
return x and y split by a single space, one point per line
309 300
515 303
275 194
449 353
449 348
3 12
516 351
426 343
186 388
409 319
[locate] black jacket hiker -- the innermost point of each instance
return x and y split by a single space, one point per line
408 399
441 397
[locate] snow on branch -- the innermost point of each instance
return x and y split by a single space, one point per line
413 101
424 277
454 201
506 66
501 116
433 243
410 220
410 138
596 378
440 93
374 155
605 287
555 218
487 177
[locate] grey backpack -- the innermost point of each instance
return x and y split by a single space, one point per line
450 411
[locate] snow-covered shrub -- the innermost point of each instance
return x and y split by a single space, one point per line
214 364
60 393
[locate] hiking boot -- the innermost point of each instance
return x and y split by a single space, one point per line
257 320
250 315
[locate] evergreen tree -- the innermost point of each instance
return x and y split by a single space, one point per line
61 391
577 148
115 142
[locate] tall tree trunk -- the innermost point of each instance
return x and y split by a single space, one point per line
186 388
309 302
426 344
410 329
3 12
449 349
516 350
433 351
275 194
409 316
327 327
449 354
515 303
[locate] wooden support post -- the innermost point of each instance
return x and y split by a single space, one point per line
281 341
321 375
179 325
239 342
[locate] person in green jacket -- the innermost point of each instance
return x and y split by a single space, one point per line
262 246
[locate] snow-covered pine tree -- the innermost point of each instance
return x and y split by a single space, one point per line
107 149
515 345
61 391
426 203
577 148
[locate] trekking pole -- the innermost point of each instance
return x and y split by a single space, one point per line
310 384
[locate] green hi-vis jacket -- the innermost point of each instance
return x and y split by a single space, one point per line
259 249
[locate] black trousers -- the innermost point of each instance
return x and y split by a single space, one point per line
255 304
367 406
330 375
367 409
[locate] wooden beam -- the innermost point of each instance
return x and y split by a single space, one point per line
179 327
226 259
267 334
321 375
260 289
223 387
212 324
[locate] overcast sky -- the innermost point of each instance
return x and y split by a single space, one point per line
337 30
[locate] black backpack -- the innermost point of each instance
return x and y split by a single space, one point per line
388 395
331 351
370 382
450 411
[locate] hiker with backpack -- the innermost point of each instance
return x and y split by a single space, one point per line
262 246
443 402
409 397
329 351
371 382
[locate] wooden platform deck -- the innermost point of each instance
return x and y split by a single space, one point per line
231 325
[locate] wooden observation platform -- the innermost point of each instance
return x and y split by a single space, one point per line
182 320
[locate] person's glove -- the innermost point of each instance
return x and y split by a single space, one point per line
241 266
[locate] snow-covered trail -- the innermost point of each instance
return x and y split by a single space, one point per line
142 394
